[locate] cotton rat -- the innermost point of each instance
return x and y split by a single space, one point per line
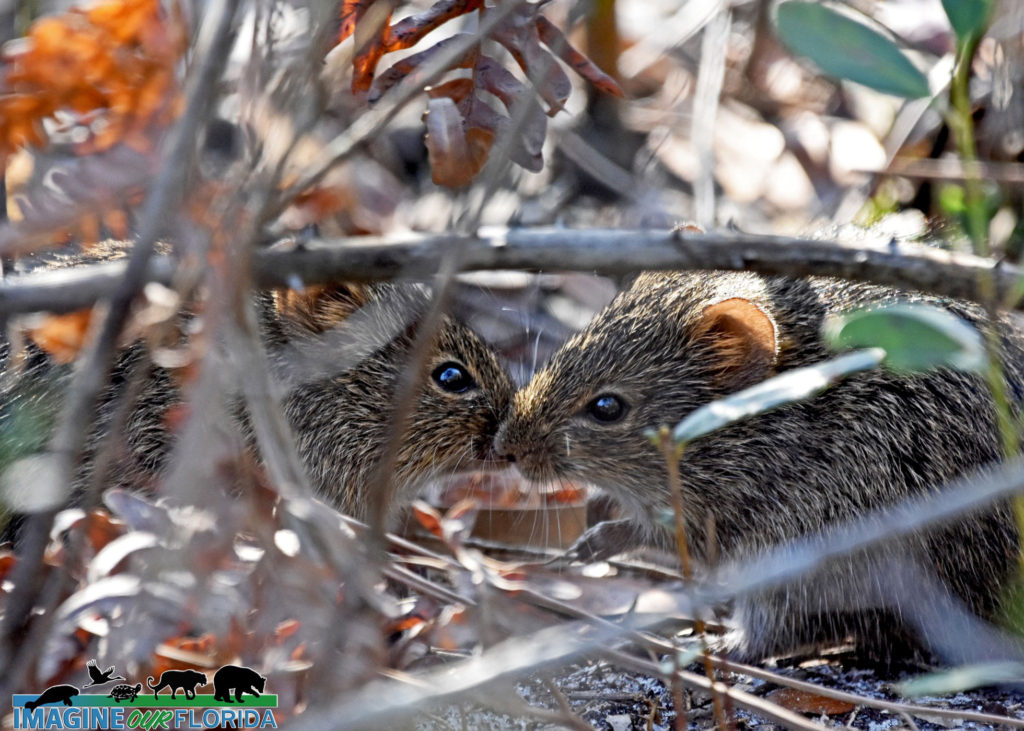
675 341
338 352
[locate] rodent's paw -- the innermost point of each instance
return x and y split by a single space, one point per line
605 540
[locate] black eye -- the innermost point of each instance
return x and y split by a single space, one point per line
607 408
453 378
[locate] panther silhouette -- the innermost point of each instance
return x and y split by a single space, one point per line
184 680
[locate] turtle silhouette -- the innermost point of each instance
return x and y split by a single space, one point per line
101 677
125 692
53 694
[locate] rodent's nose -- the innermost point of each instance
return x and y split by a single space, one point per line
504 448
500 447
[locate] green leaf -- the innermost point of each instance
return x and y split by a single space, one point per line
969 18
794 385
848 49
962 678
952 200
915 337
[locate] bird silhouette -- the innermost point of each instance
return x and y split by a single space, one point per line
98 677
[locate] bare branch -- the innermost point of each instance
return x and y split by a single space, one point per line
605 251
861 700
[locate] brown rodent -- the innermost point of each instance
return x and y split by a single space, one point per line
338 353
675 341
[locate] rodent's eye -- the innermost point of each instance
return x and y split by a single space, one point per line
607 408
453 378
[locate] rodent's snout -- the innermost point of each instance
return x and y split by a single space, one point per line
517 443
500 445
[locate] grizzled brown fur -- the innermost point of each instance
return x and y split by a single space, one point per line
675 341
338 353
342 419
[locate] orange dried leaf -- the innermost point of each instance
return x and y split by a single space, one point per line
7 562
403 624
407 32
115 58
407 65
299 652
462 509
566 495
456 90
429 518
62 336
351 11
371 45
101 529
557 42
456 155
803 702
513 574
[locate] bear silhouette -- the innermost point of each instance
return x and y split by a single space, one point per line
184 680
54 694
243 680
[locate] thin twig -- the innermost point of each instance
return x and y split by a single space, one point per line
570 717
1010 173
604 251
882 705
663 646
750 702
710 76
910 721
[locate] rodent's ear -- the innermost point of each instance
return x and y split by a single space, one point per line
320 308
744 339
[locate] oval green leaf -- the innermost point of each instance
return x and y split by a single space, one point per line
848 49
915 337
791 386
969 18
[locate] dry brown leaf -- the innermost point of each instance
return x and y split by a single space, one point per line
803 702
117 58
456 154
287 628
460 136
7 562
62 336
101 528
429 518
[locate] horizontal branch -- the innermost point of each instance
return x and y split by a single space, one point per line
603 251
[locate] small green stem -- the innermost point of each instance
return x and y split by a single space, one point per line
961 120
